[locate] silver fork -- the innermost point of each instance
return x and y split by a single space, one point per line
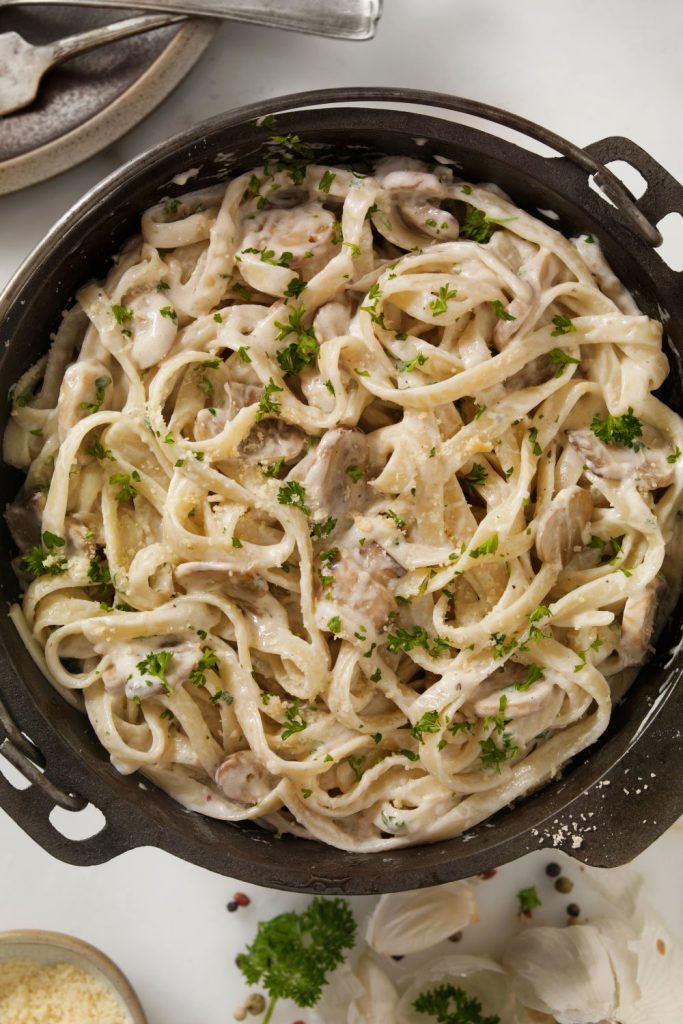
22 65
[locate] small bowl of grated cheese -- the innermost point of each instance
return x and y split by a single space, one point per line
50 978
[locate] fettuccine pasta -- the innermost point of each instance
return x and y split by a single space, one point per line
349 508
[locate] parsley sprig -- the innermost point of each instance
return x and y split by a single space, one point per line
293 954
621 430
450 1004
439 305
44 560
156 665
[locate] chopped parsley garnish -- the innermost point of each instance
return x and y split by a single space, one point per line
321 530
101 385
221 695
44 560
560 359
619 429
156 664
207 661
218 318
326 181
171 206
330 557
355 472
273 471
540 612
300 353
478 227
528 900
122 314
170 313
410 755
98 450
98 570
376 676
450 1004
334 625
357 764
492 756
534 673
295 288
268 256
476 476
407 639
439 305
293 493
533 441
397 520
501 312
429 723
293 953
501 645
412 364
457 727
243 354
489 547
268 406
675 456
123 480
293 721
562 325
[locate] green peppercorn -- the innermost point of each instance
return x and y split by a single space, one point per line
564 885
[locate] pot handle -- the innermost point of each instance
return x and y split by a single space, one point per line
663 193
31 807
637 220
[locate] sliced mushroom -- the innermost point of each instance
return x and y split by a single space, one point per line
561 527
362 581
330 487
120 669
424 213
648 467
538 371
24 517
300 230
519 703
637 624
80 386
244 779
79 538
272 439
405 174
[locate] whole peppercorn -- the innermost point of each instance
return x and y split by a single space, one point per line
455 937
564 885
553 869
491 873
256 1003
573 910
233 906
241 899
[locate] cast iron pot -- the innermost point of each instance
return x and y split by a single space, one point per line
610 802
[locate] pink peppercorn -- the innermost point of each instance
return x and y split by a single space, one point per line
241 899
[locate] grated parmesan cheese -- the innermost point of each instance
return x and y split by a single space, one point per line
59 993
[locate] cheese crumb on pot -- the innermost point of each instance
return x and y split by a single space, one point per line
59 993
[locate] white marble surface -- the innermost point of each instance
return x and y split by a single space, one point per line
586 70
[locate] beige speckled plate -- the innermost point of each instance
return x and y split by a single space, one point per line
54 947
90 101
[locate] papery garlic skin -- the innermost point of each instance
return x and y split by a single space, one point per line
409 922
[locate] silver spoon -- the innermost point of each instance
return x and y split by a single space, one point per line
22 65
